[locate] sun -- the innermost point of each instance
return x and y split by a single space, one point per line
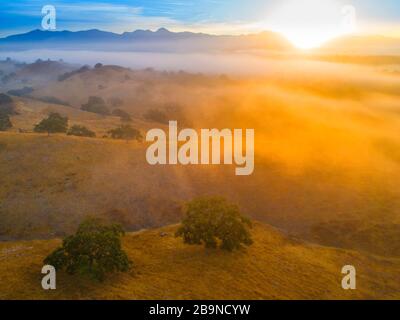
311 23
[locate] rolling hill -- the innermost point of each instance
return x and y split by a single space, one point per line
274 267
327 152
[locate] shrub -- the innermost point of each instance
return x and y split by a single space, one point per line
7 106
53 124
5 122
122 114
126 132
213 221
80 131
96 105
94 251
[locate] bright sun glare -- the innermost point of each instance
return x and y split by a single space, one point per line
311 23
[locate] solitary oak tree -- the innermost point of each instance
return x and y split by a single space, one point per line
52 124
212 222
94 251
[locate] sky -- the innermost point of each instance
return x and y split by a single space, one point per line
291 17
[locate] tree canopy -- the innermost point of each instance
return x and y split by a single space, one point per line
96 105
54 123
80 131
214 222
94 251
126 132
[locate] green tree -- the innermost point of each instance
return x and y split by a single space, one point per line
122 114
212 222
94 251
5 122
7 106
80 131
126 132
96 105
52 124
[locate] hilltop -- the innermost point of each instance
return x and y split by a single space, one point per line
274 267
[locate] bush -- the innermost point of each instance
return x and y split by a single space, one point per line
126 132
122 114
5 122
80 131
7 106
96 105
214 221
94 251
53 124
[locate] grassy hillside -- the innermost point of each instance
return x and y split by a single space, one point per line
31 112
327 149
50 183
327 166
275 267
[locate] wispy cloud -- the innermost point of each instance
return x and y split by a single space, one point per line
213 16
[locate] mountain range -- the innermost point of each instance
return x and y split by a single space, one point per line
141 40
164 40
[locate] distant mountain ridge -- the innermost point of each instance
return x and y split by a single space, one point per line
96 35
142 40
164 40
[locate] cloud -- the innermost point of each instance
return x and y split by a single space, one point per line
209 16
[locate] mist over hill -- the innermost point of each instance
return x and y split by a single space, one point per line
362 45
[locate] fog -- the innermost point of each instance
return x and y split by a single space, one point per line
211 63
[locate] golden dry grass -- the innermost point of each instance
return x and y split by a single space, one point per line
275 267
327 148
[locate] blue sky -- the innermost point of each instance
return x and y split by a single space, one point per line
214 16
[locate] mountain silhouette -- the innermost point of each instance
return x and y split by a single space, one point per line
162 39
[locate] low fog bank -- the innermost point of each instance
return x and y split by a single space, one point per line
206 63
